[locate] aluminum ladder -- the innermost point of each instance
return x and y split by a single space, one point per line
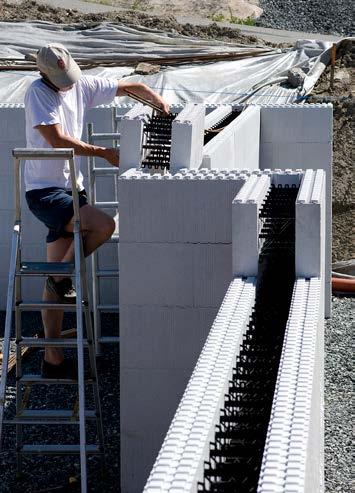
97 274
18 270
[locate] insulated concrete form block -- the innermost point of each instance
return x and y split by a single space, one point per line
311 259
245 225
165 338
187 134
296 123
180 462
190 206
12 122
174 274
310 225
237 146
217 115
293 453
131 137
148 401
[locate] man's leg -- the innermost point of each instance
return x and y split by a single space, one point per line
97 227
52 319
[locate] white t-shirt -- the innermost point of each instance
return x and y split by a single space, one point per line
43 106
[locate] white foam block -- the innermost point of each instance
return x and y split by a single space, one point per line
245 224
185 208
187 136
163 337
174 274
296 123
148 401
237 146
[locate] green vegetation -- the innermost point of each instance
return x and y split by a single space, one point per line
249 21
217 17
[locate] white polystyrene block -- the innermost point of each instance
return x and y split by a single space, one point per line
296 124
217 115
180 209
310 226
7 161
131 129
187 136
212 273
285 155
12 123
174 274
245 225
163 337
237 146
146 410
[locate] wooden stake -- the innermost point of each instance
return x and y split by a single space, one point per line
332 61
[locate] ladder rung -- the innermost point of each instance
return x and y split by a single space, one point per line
109 340
53 414
38 379
108 308
31 417
114 239
106 205
45 305
58 449
54 342
106 171
107 273
46 268
104 136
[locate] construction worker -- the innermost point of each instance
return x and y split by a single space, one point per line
55 107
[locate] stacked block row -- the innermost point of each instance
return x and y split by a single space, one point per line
293 453
236 146
186 446
175 268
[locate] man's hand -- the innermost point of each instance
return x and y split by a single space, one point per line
141 90
165 107
112 156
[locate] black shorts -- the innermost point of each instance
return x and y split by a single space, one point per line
54 207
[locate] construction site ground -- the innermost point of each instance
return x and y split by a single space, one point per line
42 475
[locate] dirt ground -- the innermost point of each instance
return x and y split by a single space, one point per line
237 8
30 10
341 95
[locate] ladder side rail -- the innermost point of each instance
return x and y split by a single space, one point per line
8 321
78 250
18 317
94 255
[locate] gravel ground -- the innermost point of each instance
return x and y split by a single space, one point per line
40 474
338 396
317 16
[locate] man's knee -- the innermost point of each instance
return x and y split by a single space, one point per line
106 227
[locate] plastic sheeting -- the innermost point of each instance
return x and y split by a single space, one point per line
252 80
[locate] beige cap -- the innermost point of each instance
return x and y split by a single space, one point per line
55 61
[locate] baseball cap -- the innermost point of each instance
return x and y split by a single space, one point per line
55 61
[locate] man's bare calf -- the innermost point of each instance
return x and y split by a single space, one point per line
97 227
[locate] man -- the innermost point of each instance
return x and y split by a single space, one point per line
55 107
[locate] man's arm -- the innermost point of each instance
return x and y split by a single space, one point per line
55 137
144 91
